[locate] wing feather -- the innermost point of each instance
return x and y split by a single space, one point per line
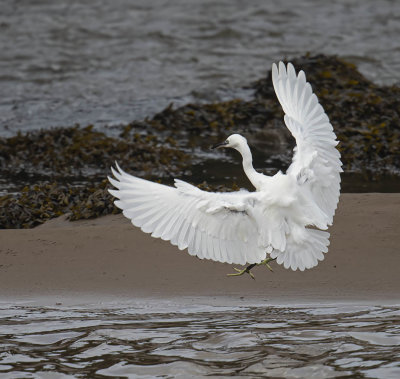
316 162
210 225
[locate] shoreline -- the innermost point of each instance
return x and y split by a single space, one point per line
186 304
107 260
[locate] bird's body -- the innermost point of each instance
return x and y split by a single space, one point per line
280 219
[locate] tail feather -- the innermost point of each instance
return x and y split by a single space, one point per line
303 254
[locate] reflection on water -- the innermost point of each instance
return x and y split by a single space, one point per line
136 341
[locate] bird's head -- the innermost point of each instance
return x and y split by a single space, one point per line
235 141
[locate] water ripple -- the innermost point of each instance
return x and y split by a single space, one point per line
321 342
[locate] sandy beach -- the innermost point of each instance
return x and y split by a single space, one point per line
107 259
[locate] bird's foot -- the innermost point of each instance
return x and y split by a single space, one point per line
244 271
265 262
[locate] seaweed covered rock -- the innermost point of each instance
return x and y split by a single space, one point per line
64 171
76 153
40 202
70 164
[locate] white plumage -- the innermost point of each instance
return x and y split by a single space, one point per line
280 218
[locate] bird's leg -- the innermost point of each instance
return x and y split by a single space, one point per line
266 263
246 270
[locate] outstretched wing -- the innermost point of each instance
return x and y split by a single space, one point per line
316 163
215 226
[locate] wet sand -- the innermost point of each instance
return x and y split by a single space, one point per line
107 259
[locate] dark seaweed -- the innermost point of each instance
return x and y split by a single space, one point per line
66 167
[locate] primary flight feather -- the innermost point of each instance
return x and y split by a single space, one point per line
282 219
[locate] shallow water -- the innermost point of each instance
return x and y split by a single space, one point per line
169 340
107 62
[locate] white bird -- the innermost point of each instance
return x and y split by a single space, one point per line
280 220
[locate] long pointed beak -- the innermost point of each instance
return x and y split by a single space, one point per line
221 144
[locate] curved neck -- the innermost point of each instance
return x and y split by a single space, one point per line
248 168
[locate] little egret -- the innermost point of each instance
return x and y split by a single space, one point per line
280 221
